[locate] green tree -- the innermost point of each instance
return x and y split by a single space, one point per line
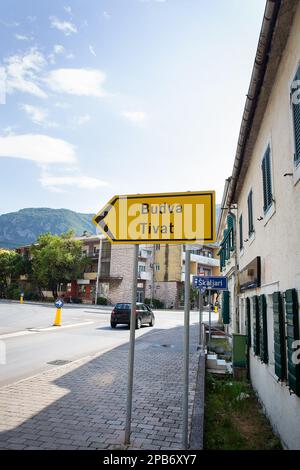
11 266
56 259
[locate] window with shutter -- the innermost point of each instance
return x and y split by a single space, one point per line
279 336
292 321
241 232
267 179
296 116
250 214
256 326
248 319
225 308
263 328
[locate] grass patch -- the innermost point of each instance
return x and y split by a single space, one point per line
232 423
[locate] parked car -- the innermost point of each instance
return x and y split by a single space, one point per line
122 311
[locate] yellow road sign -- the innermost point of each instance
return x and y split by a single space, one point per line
159 218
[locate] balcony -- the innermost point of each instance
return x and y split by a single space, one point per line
203 260
90 276
145 275
144 253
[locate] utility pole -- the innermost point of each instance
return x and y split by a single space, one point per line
98 270
152 270
131 345
186 350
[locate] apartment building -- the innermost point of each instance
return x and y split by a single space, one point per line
260 222
169 270
112 265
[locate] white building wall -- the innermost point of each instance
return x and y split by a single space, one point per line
277 235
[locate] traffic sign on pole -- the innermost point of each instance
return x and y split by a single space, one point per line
210 282
159 218
164 218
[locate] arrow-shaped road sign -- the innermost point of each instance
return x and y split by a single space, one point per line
159 218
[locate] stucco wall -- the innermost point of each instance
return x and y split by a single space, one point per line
277 237
277 240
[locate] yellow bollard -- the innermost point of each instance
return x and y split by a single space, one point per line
57 321
21 299
216 309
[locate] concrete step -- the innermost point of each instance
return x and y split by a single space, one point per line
212 362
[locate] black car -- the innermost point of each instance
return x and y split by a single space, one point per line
122 311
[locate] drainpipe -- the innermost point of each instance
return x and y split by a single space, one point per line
236 268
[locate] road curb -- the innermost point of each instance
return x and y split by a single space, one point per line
196 435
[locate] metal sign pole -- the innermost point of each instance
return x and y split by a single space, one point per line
98 271
200 319
209 310
186 350
131 345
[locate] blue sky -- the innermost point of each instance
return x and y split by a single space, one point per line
107 97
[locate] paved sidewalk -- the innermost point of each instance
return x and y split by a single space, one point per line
82 405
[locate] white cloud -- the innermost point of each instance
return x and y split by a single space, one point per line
83 182
92 50
24 37
9 130
14 24
22 72
80 120
136 117
58 49
38 115
66 27
38 148
81 82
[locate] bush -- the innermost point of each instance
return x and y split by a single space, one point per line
13 292
155 303
101 301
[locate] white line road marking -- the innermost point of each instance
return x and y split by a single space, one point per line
41 330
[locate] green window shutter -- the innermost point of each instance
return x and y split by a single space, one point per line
279 337
248 320
267 179
262 305
256 326
292 320
241 232
296 120
250 214
225 308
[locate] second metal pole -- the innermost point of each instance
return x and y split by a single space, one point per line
209 318
131 346
200 319
186 350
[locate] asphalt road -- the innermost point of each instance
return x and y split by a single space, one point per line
31 342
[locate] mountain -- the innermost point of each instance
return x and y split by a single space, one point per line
23 227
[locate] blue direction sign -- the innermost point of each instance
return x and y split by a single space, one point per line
210 282
59 303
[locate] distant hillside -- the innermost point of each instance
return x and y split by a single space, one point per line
23 227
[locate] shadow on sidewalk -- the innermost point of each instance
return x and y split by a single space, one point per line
85 407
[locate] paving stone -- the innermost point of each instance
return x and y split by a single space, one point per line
82 405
